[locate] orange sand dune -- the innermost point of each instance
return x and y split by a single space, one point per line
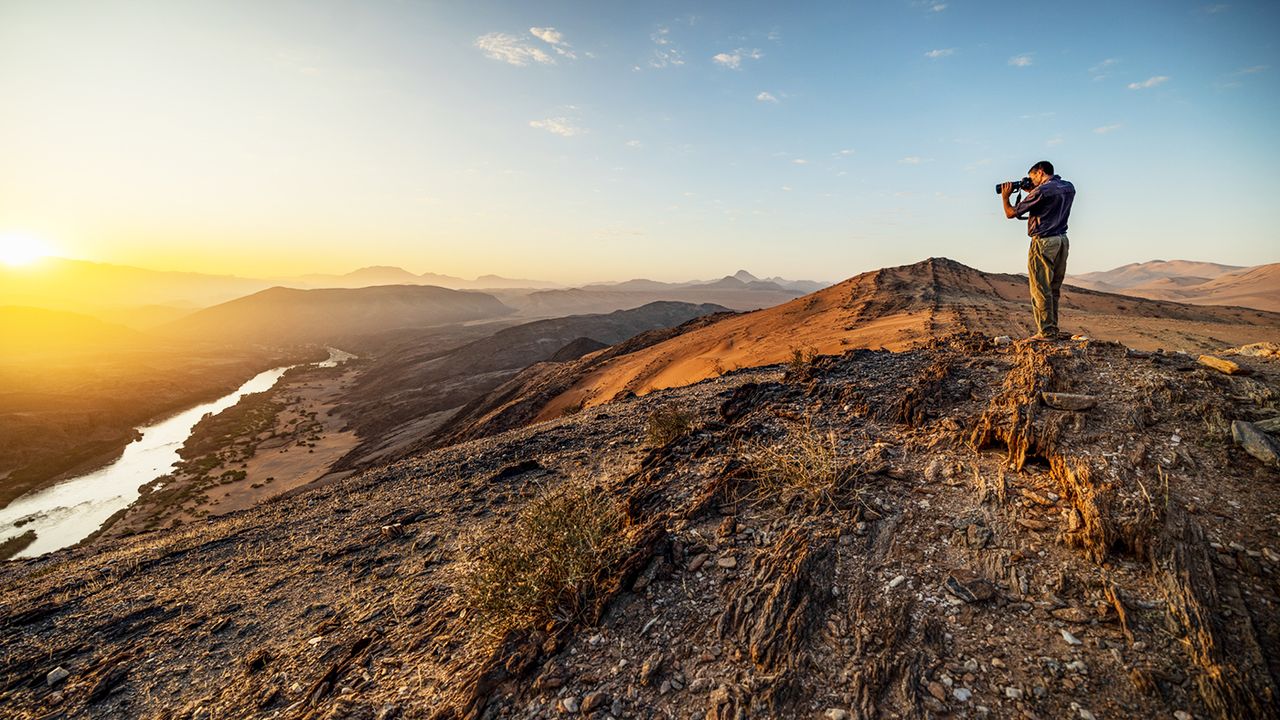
895 308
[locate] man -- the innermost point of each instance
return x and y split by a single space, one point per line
1046 209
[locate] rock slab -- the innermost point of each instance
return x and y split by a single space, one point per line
1255 442
1223 365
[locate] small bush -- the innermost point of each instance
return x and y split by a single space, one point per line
665 425
549 564
806 466
801 359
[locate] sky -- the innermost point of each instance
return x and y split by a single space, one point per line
577 141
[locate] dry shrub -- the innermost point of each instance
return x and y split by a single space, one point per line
549 563
666 425
806 465
802 357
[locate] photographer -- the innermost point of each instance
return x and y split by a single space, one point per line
1046 208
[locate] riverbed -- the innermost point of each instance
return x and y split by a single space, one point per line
70 511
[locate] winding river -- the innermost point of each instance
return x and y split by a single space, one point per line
70 511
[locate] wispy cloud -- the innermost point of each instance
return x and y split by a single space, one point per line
561 126
1215 9
766 97
555 39
799 161
846 152
938 7
1054 141
1149 82
940 53
1108 128
634 144
1021 60
1234 80
511 49
1102 69
665 52
913 160
733 60
774 36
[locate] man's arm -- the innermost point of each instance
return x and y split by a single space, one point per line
1027 204
1005 191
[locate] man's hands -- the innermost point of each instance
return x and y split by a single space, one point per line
1006 189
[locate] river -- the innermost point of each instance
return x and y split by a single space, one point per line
70 511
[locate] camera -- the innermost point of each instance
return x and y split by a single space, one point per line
1024 185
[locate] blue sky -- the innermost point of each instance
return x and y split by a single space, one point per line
580 141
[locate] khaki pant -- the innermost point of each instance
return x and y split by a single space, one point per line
1046 267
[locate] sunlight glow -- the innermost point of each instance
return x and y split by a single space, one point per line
17 250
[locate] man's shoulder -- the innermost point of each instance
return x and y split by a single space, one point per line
1058 185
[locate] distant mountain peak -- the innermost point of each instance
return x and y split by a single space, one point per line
745 276
381 271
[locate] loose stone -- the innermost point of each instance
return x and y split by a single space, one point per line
594 700
1068 401
56 676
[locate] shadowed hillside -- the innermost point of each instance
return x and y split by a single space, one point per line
329 316
409 392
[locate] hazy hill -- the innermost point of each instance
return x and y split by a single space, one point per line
391 275
87 287
1192 282
280 316
897 307
407 393
1138 274
30 331
729 292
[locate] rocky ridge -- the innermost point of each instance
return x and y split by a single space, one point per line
983 555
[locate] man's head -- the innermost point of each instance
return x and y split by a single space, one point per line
1041 172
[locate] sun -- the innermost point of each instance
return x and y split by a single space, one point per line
17 250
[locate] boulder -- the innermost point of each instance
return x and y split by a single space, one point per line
1255 442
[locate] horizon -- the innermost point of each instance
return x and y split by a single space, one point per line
34 266
639 142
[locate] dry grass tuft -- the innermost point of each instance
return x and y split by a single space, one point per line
805 466
548 564
666 425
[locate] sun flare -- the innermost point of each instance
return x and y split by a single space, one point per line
18 250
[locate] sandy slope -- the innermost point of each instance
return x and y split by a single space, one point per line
1255 287
895 308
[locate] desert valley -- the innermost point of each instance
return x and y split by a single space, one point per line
801 483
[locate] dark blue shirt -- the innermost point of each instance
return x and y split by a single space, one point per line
1049 205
